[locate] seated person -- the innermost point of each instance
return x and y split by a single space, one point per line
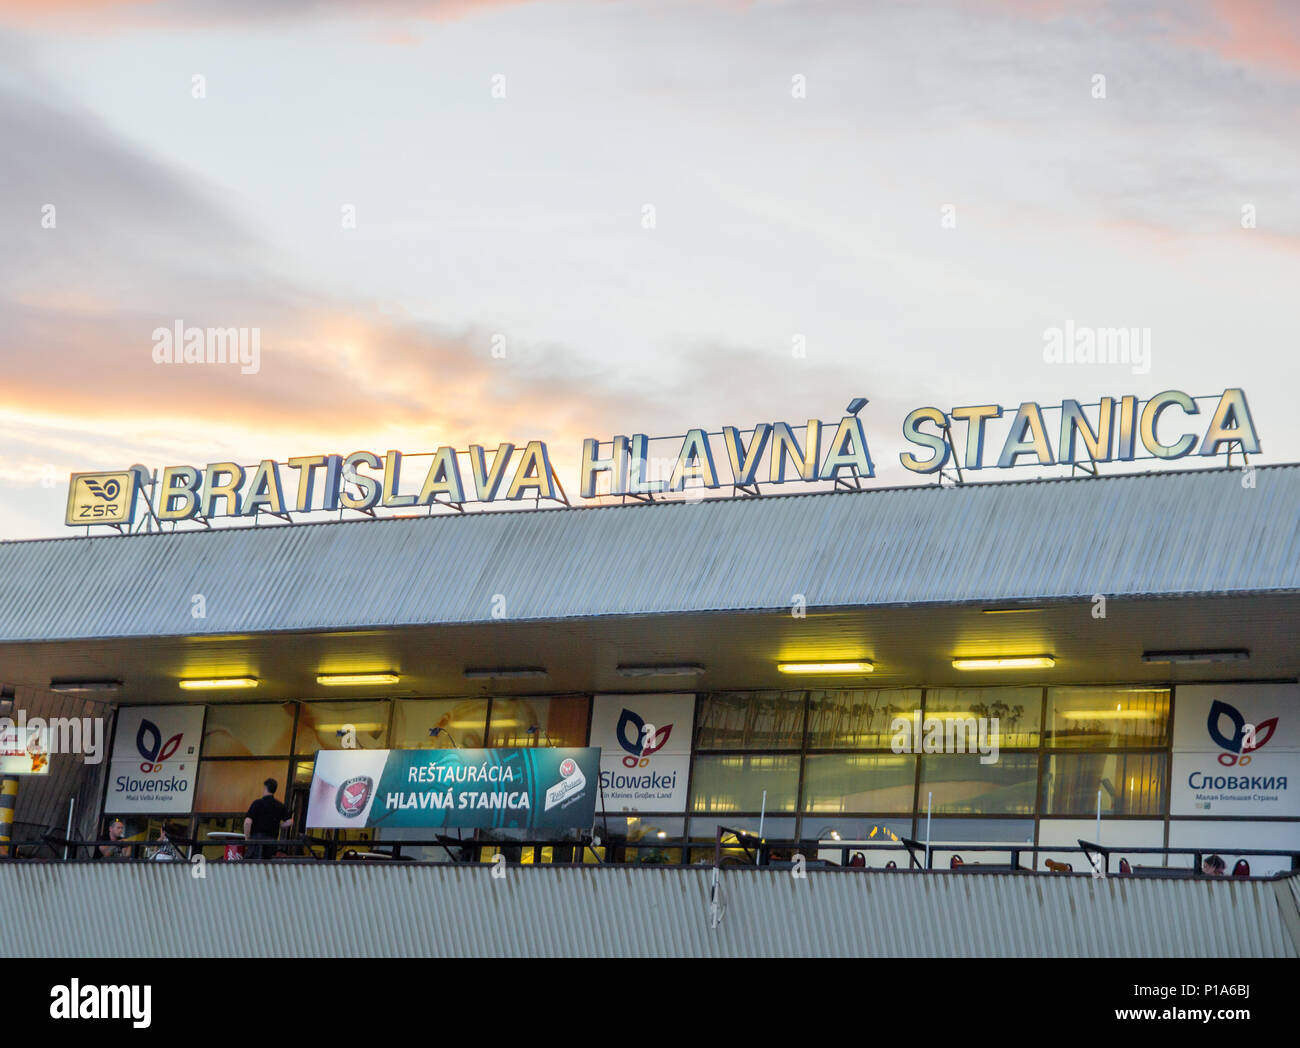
113 851
166 850
1213 866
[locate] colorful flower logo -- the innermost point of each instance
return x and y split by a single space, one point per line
638 739
148 740
1244 738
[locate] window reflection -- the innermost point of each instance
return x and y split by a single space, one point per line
1018 711
859 783
248 730
539 721
231 786
1128 783
858 719
342 725
761 720
736 784
962 785
1107 718
437 724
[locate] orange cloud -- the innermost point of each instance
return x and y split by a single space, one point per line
1259 34
1255 34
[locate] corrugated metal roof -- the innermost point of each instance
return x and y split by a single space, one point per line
1191 532
408 910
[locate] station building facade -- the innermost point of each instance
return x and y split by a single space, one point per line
1021 664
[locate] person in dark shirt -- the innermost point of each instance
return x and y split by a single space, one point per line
112 851
265 819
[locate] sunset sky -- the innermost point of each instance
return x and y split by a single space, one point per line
779 212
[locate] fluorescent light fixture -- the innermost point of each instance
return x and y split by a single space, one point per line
332 680
506 673
1113 714
1005 662
683 670
69 686
1229 655
216 683
812 668
1009 610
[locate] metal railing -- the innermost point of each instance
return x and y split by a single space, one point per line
730 847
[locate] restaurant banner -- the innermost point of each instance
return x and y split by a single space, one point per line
549 788
1236 750
155 759
645 744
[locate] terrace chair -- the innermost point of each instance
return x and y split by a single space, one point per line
1242 869
1124 867
955 862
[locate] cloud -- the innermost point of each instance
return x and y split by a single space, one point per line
1257 34
97 15
1260 35
137 246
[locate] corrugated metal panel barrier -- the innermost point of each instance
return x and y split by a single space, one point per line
402 910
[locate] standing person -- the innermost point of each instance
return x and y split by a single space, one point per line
265 819
112 851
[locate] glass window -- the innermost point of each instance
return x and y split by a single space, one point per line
1129 783
859 783
634 828
328 725
231 786
977 831
1054 834
558 722
704 835
1107 718
1018 711
858 842
736 784
641 840
461 724
963 785
859 719
846 841
261 729
762 720
774 829
952 838
848 828
302 774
